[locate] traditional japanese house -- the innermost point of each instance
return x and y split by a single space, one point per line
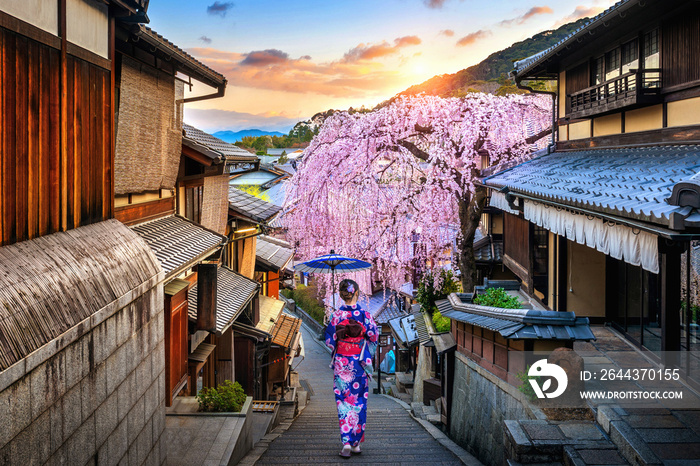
248 217
601 224
263 356
81 299
273 259
170 186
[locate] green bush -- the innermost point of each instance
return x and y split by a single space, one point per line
306 297
497 297
526 388
441 323
226 398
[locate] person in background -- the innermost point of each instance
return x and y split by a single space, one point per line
352 335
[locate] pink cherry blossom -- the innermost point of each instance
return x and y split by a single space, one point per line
385 186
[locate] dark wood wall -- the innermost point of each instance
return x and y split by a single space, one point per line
516 239
680 42
55 151
577 78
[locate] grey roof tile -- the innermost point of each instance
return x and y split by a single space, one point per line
627 182
230 151
233 292
178 242
526 64
421 327
251 206
517 324
273 252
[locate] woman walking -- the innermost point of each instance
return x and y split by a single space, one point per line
352 335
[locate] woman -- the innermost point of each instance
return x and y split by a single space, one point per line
352 335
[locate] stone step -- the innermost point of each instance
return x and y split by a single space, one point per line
630 445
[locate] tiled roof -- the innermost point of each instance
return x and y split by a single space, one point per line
285 331
525 65
233 293
56 282
631 183
270 310
251 206
185 59
421 327
276 193
178 243
385 311
273 252
517 324
488 250
229 151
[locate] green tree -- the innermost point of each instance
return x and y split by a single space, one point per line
429 291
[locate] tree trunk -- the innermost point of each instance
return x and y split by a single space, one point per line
470 209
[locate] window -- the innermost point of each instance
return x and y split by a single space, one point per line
630 57
651 59
612 64
651 49
193 203
598 71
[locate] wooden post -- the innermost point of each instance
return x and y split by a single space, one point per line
670 275
206 297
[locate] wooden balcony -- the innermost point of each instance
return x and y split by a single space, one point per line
637 87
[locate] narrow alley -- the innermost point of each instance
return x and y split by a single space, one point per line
392 435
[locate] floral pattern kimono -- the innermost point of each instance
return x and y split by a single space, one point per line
351 381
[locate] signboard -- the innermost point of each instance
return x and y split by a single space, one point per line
408 324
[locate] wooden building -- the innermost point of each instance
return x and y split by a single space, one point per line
81 306
273 259
601 223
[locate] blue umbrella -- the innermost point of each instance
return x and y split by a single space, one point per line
330 263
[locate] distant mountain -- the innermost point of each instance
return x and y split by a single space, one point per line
235 136
484 76
489 76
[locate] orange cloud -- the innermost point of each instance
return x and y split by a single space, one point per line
447 32
534 11
580 12
473 37
275 70
372 51
434 3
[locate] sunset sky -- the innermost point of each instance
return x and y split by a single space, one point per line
285 61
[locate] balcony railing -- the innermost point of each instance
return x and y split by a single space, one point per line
635 87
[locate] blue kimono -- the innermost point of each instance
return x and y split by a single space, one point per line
351 382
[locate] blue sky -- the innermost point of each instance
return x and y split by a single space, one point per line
286 61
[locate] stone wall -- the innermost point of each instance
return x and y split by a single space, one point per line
480 405
100 399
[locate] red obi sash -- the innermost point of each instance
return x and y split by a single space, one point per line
350 346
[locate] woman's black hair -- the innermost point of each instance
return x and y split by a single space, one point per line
347 289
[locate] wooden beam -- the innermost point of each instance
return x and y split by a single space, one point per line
18 26
672 135
88 56
137 213
63 183
196 156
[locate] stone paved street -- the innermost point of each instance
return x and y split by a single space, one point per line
392 436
